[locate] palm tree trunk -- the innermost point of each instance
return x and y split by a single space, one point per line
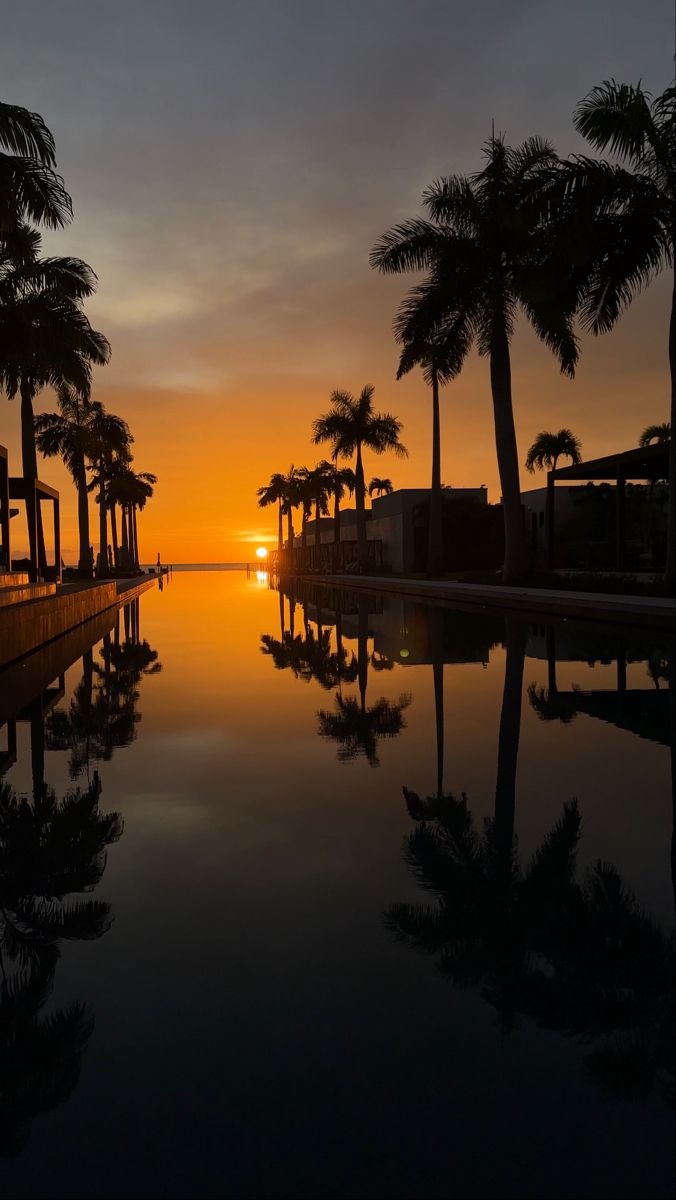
29 464
508 737
670 574
336 517
135 528
280 527
359 494
318 536
113 534
303 528
437 639
84 561
289 528
362 649
516 549
102 566
435 557
125 538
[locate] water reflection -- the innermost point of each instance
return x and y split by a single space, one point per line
53 851
575 953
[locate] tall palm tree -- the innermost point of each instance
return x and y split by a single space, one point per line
304 491
349 426
441 360
625 209
488 253
291 500
110 441
45 337
320 480
67 433
30 189
274 492
45 340
655 433
548 448
339 481
380 487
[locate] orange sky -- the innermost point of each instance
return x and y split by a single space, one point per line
229 177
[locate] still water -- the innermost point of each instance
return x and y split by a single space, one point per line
359 898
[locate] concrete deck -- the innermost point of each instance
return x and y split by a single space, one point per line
655 612
29 624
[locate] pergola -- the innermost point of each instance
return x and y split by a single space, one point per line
645 463
33 492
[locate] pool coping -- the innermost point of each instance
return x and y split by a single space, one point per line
652 611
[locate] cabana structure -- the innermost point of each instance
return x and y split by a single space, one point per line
645 464
33 492
5 552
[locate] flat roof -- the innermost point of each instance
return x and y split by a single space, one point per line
643 462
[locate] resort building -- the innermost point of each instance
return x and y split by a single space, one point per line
398 522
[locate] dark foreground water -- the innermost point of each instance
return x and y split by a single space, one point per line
358 898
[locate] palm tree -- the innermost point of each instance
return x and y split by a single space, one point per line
349 426
655 433
67 433
141 491
488 253
380 487
45 340
110 441
30 189
356 727
441 360
274 492
304 491
548 448
319 479
339 481
291 500
625 211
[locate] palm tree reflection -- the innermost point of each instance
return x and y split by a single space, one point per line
50 850
103 711
575 954
356 727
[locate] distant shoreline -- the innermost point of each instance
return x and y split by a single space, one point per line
235 566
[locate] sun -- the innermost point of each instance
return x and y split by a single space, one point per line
261 552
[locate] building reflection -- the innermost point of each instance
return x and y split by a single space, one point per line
53 852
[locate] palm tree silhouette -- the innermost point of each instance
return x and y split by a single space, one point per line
548 448
655 433
67 433
349 426
45 340
110 442
339 480
380 487
30 189
274 492
619 218
487 248
441 360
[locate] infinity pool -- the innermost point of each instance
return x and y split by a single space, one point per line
387 908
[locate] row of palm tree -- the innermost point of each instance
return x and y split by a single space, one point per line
350 426
90 439
566 244
46 340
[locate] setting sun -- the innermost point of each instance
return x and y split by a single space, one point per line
261 552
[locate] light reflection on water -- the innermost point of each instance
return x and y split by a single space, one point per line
271 950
